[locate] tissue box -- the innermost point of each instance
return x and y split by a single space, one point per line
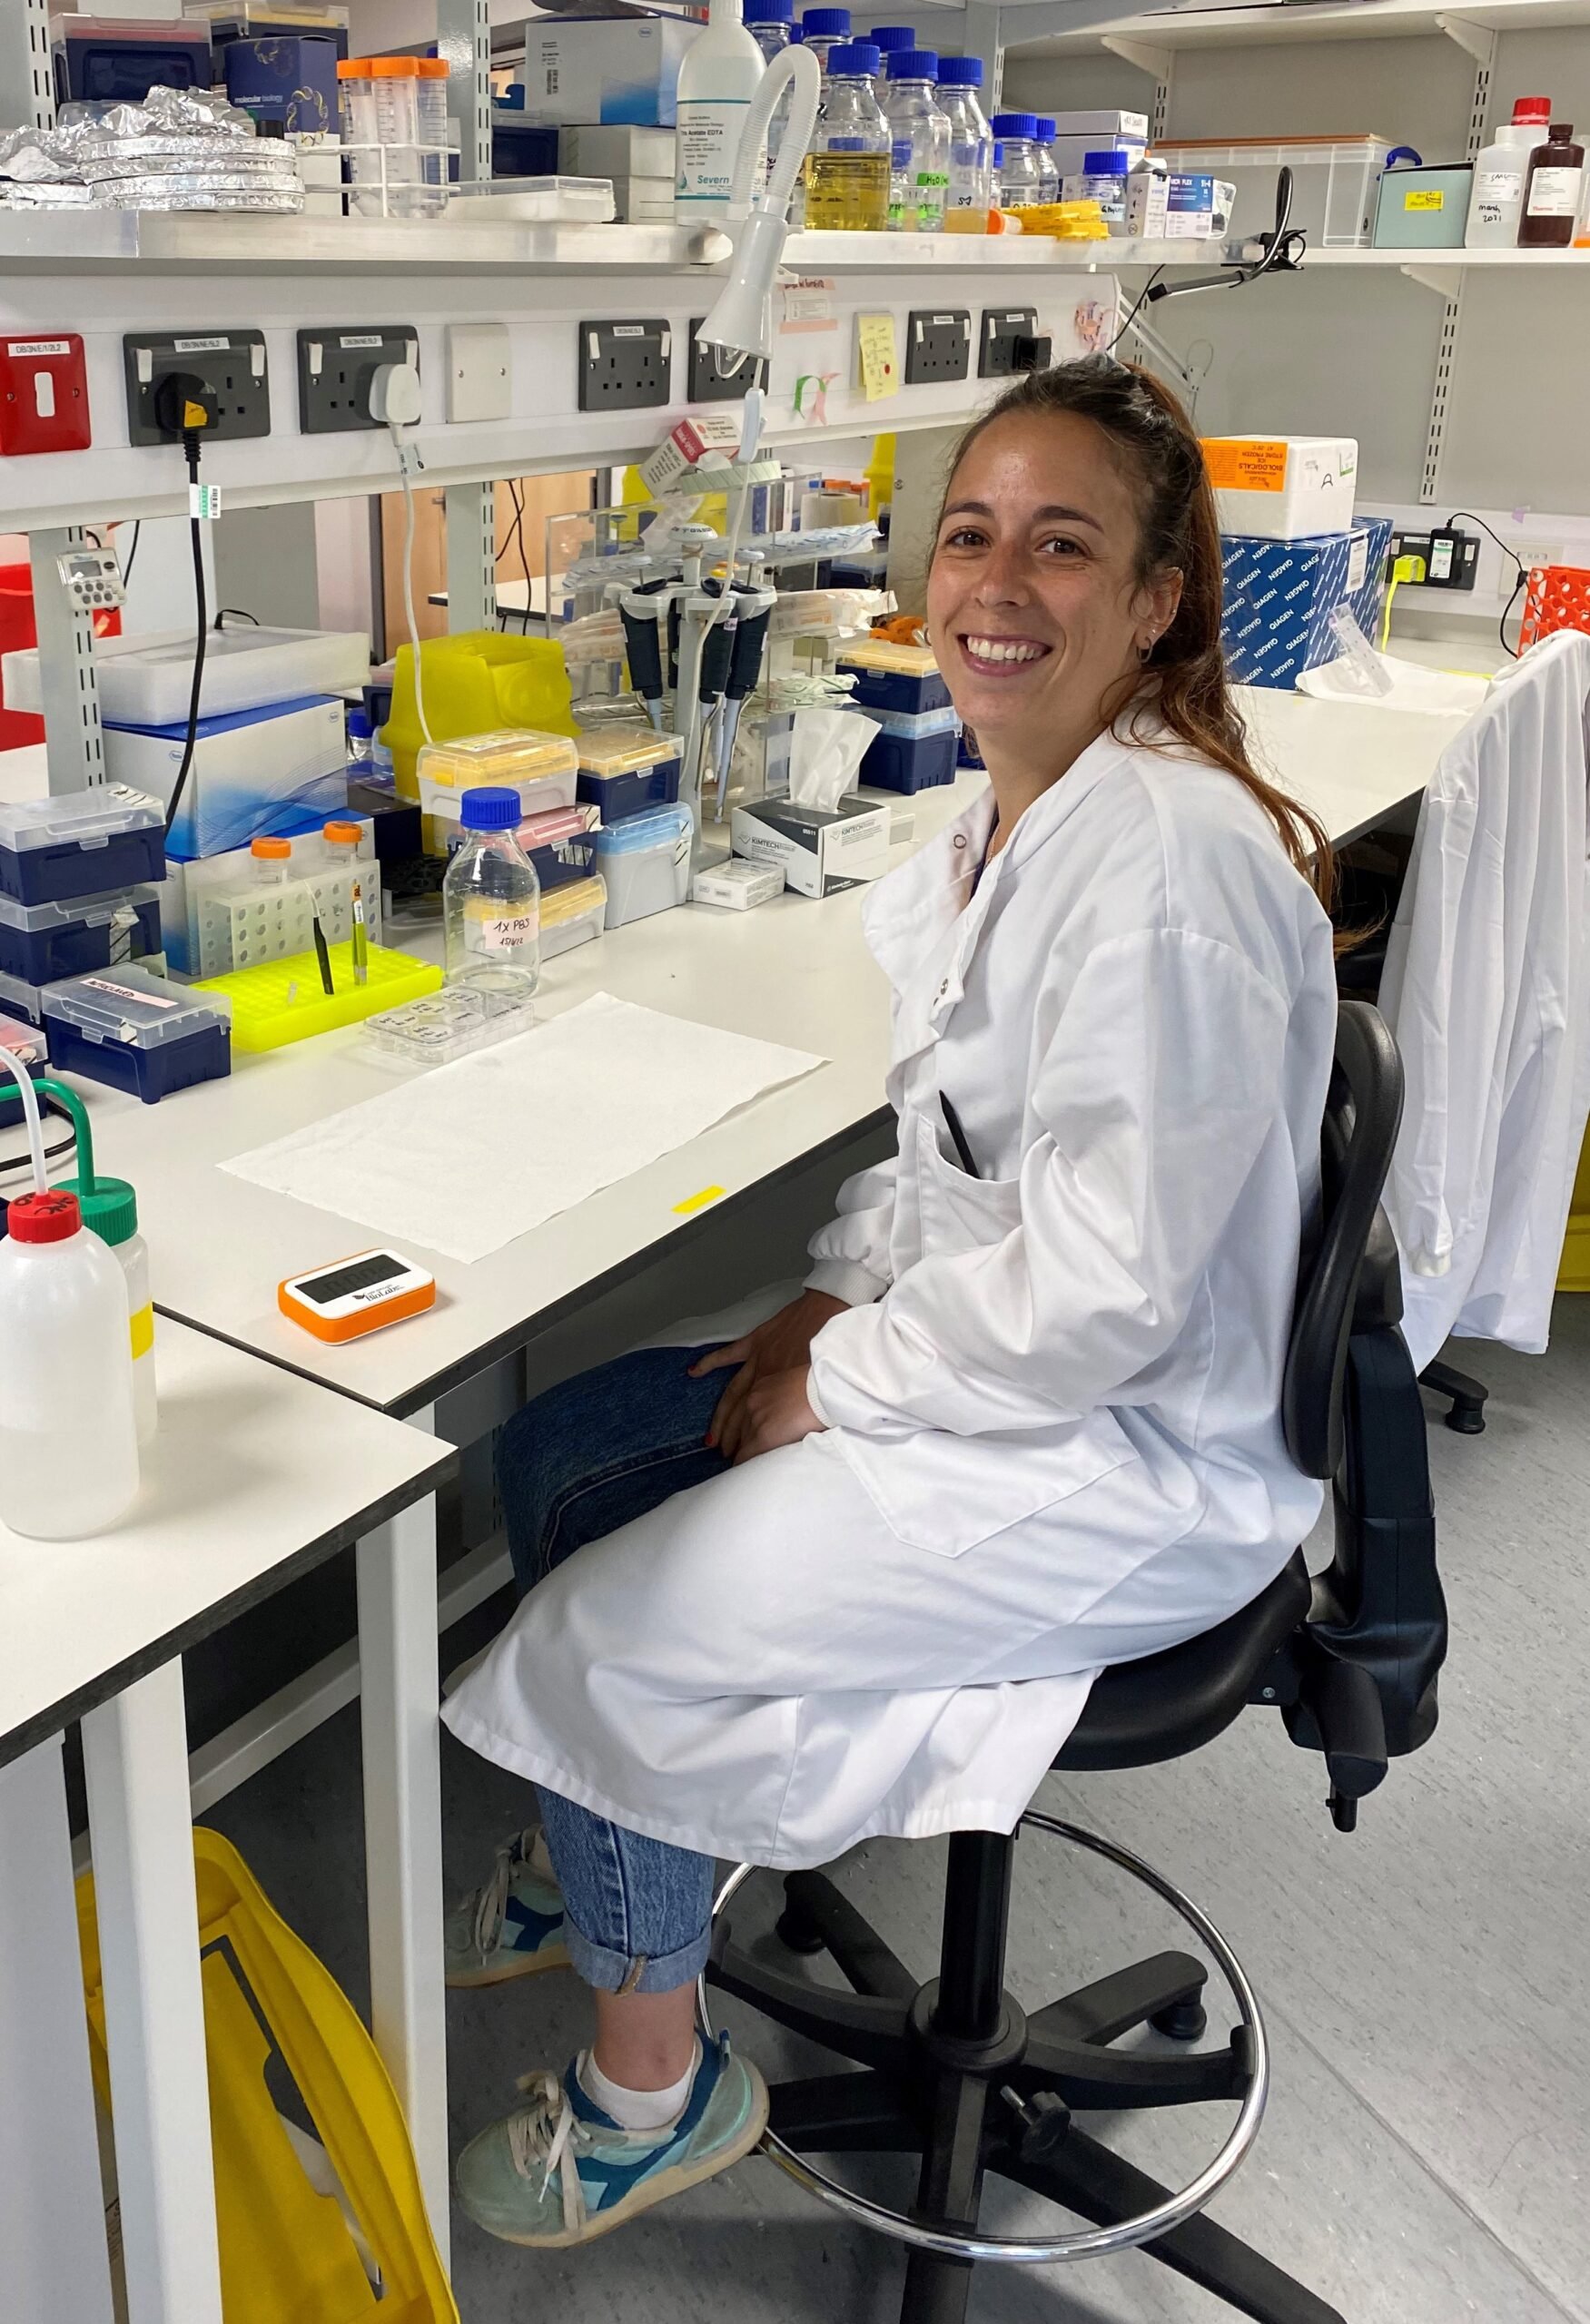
819 851
1283 487
590 70
1280 596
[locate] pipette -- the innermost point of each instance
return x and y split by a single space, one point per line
754 610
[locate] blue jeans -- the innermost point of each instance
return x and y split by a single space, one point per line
579 1462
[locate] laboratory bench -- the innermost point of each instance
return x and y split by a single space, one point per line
255 1475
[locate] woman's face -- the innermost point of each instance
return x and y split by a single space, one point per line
1033 604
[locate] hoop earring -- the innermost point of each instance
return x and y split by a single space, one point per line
1145 652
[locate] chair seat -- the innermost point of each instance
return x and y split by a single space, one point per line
1164 1705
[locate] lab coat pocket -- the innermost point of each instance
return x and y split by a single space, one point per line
960 1213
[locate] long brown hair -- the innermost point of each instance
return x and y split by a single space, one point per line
1186 688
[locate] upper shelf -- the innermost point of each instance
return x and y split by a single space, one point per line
1301 20
197 243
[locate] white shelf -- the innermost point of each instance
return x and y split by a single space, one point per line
1310 20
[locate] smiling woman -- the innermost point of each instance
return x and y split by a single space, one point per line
1076 584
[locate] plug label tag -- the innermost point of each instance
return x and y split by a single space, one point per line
204 502
201 346
362 339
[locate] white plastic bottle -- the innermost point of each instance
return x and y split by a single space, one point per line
970 190
68 1438
717 80
111 1212
491 901
919 179
1496 202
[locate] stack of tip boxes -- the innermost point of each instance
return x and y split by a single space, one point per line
1291 552
900 689
78 906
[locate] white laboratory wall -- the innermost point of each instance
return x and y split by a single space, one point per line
1356 352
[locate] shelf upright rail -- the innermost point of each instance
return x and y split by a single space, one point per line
464 29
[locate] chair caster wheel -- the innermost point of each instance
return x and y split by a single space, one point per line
1468 1420
798 1935
1184 2020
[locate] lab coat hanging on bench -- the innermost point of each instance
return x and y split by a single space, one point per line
1052 1434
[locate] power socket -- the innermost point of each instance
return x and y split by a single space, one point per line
336 369
231 364
710 382
938 346
1004 329
625 366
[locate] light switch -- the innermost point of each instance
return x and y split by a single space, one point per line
44 394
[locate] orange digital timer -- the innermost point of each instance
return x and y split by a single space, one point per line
353 1297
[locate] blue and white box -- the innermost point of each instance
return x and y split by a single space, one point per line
1366 579
249 766
1280 596
584 71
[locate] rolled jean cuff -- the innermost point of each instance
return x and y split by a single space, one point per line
607 1972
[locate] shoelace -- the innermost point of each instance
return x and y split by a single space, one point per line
547 2132
491 1901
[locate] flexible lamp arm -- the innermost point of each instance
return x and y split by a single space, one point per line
742 316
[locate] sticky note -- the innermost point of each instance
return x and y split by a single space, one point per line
698 1201
1425 198
880 361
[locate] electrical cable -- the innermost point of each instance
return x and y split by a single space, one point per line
11 1164
523 562
200 634
1136 308
235 613
409 521
1521 583
132 552
1507 550
1283 252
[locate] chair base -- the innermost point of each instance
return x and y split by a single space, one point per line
955 2072
1467 1394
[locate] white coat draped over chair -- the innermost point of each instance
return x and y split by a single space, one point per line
1487 988
1053 1436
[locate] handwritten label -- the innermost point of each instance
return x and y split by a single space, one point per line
880 358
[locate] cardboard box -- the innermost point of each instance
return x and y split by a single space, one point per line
703 432
247 766
1280 596
1283 487
582 70
819 852
1366 577
616 151
1070 153
1101 128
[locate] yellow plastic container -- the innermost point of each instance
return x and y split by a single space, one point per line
264 1017
288 2253
1574 1272
897 661
476 683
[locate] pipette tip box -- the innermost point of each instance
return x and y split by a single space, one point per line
283 1001
135 1031
41 942
81 844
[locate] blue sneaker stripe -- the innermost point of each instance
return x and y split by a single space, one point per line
607 2183
530 1929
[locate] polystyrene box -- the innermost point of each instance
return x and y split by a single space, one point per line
146 681
1283 487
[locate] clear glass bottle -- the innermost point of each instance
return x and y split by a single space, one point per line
1043 154
919 130
847 169
361 738
491 901
971 189
822 30
768 22
1019 181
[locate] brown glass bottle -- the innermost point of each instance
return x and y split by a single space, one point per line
1552 192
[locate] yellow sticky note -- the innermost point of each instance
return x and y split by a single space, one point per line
698 1201
880 360
1425 198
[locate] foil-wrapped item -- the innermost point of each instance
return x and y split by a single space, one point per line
37 157
45 197
182 113
273 166
214 190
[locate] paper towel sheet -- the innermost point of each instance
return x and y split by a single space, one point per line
463 1159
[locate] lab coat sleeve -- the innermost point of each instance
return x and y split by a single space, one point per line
850 1255
1155 1094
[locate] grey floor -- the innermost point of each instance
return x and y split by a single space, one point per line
1425 2155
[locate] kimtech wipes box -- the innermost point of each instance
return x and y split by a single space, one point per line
819 850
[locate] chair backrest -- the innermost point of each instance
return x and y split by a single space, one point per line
1362 1111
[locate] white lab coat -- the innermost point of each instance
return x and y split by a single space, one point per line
1487 987
1053 1436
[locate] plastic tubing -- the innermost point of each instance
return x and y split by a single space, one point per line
35 1128
794 69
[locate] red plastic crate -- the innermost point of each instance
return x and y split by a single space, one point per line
1557 597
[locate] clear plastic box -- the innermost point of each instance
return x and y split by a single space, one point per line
513 756
40 942
646 862
148 680
136 1032
572 915
445 1024
82 844
1334 182
537 200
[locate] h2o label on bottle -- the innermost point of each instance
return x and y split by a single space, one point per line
508 931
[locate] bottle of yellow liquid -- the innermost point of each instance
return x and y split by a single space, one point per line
847 167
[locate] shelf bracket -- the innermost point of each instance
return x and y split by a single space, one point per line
27 88
1480 43
1478 39
69 685
464 38
1159 63
1446 282
471 556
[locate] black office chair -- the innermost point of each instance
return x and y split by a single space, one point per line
954 2070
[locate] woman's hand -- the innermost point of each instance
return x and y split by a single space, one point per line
783 1343
776 1412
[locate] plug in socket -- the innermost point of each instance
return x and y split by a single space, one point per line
1004 329
938 346
231 365
711 383
335 369
624 367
